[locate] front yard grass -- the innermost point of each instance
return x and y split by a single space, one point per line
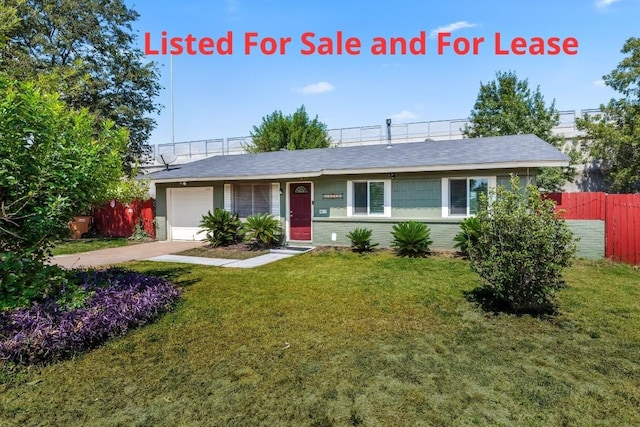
239 251
67 247
334 338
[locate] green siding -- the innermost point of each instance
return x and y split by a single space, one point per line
218 195
591 235
416 198
332 207
505 180
442 232
161 212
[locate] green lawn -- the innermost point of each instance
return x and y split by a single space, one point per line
67 247
340 339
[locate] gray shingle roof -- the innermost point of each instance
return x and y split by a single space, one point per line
477 153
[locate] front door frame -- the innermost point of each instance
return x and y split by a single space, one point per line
288 208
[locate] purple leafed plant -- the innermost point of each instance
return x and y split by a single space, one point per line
118 300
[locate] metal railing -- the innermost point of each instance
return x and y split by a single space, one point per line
189 151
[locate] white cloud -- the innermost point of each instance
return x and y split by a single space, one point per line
404 115
458 26
603 4
232 6
316 88
599 83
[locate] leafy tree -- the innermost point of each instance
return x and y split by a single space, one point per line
293 132
506 106
521 248
52 164
613 137
84 50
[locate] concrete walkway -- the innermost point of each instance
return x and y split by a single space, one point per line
112 256
161 251
221 262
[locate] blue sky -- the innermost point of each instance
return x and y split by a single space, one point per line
220 96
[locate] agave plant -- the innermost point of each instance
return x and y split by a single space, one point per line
361 240
223 228
468 234
263 230
411 238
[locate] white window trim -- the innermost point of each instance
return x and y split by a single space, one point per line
492 183
387 198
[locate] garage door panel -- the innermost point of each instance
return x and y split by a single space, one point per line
188 205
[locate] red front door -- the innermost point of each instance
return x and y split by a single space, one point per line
300 211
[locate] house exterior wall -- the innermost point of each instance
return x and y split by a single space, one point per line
414 196
442 231
590 233
161 212
162 201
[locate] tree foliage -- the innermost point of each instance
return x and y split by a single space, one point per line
521 248
613 137
507 106
52 165
84 50
292 132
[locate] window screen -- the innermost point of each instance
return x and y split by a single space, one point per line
250 199
457 197
360 198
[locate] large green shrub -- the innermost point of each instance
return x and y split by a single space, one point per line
263 230
53 164
468 234
24 278
521 249
411 238
222 227
361 240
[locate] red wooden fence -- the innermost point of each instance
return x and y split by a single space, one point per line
620 212
120 220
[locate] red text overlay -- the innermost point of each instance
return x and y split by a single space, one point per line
309 43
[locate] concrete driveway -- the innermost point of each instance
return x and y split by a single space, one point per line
122 254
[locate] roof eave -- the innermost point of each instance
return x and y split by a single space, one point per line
333 172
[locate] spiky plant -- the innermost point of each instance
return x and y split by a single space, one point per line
361 240
223 228
263 230
411 238
468 235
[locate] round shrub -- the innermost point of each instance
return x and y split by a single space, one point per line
521 249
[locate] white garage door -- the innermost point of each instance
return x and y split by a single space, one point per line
188 205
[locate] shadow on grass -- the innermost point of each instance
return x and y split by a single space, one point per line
172 274
487 301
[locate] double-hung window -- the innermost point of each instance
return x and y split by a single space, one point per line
369 198
463 195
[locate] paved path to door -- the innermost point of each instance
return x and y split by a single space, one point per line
161 251
112 256
274 255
